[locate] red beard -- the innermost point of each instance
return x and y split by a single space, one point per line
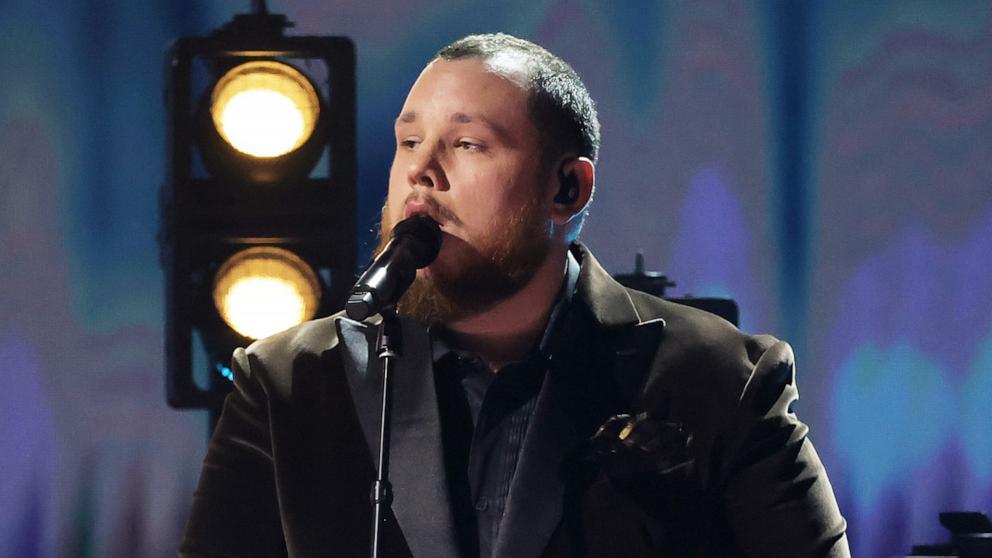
487 271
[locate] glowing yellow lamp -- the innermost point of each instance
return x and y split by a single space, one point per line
264 108
264 290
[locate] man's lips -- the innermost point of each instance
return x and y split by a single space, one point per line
421 208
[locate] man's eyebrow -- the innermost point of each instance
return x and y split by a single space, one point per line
469 118
461 118
458 118
466 118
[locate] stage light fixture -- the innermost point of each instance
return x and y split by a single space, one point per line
258 210
264 108
263 122
260 291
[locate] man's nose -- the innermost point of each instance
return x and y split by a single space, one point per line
426 168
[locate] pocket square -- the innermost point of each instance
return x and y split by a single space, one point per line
645 458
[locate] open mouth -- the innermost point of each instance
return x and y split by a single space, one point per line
417 207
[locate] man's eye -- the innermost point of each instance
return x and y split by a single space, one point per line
408 143
468 145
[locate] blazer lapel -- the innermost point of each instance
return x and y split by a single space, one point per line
601 355
357 351
635 351
420 503
573 401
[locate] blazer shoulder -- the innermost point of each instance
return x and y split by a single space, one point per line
314 336
273 360
701 352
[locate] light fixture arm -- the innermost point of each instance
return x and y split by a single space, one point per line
258 25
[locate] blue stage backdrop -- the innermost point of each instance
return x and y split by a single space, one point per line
828 165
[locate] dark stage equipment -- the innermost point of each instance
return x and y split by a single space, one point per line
971 537
655 283
258 209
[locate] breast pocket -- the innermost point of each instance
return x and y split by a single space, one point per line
657 515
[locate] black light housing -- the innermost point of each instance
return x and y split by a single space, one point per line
283 223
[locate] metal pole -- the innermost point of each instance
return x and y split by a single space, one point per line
389 350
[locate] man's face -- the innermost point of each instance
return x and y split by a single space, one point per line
468 154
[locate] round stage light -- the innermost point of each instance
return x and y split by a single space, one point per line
264 290
264 109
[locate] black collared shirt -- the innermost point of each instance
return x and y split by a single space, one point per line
484 417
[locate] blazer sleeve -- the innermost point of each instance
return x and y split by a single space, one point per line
235 510
776 496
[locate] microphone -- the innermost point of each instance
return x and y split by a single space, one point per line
414 243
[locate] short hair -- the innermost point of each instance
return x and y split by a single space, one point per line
560 105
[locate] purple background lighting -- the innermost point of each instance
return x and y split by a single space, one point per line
827 165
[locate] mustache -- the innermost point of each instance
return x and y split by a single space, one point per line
437 210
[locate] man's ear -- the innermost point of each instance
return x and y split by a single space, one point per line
576 182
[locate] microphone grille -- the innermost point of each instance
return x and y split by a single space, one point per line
425 235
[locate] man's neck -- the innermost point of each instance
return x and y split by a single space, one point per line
509 330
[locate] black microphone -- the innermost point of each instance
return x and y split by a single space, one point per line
413 244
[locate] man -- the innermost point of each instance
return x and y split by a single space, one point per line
541 409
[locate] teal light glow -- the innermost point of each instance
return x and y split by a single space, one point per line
225 371
976 413
894 408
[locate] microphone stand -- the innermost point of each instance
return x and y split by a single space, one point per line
388 348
